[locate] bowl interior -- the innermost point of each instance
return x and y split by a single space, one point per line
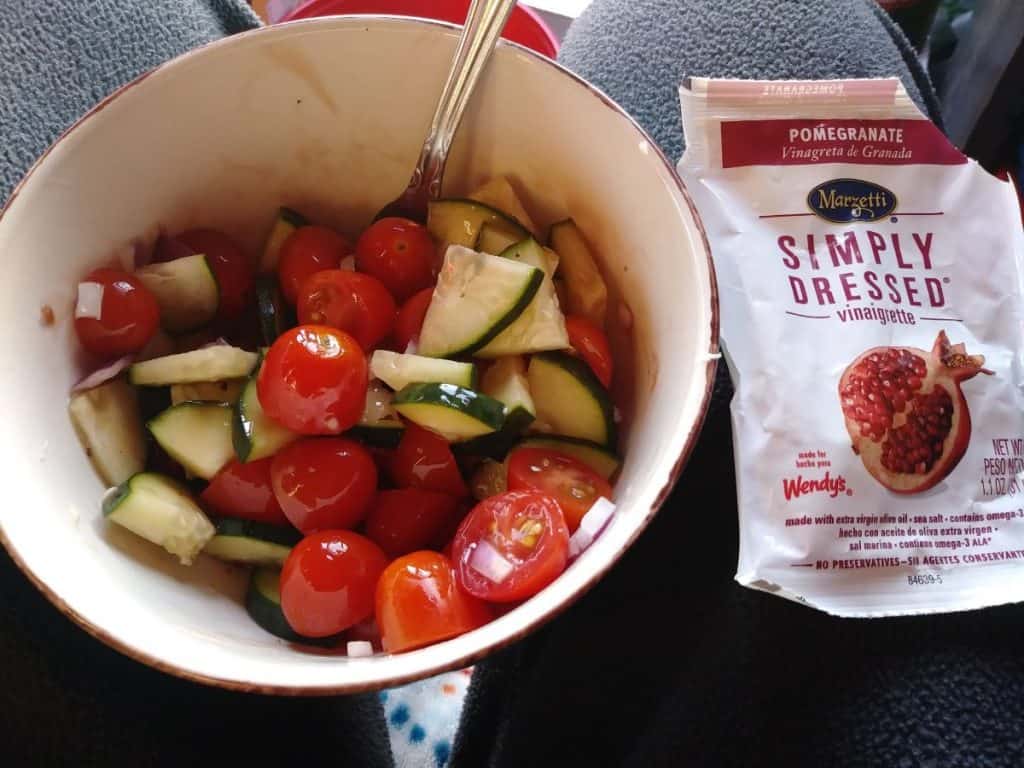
326 116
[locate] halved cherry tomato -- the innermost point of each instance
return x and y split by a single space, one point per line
128 313
399 253
409 519
230 266
419 602
353 302
573 484
328 582
409 322
424 460
324 483
244 490
592 345
313 380
306 251
511 546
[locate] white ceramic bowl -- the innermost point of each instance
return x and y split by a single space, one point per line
326 115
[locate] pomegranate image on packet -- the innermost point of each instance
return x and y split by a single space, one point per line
872 314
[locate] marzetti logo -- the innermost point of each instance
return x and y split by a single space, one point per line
843 200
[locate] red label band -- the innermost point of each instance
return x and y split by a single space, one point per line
815 142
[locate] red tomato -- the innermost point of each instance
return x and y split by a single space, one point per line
128 313
424 460
511 546
592 345
328 582
419 602
358 304
306 251
409 519
324 483
230 266
244 490
573 484
313 380
399 253
410 318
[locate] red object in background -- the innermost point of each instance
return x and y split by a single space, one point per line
524 26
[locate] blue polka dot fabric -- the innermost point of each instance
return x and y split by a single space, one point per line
422 718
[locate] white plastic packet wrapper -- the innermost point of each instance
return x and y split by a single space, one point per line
870 283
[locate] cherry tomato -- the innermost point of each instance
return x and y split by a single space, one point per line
328 582
424 460
313 380
419 602
324 483
409 321
399 253
244 490
573 484
128 313
356 303
511 546
230 266
592 345
409 519
306 251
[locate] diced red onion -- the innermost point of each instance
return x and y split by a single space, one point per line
104 374
90 301
220 341
591 525
348 263
359 648
170 248
489 563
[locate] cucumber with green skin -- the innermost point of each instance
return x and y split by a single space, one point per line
477 296
263 604
196 434
251 542
275 316
379 426
494 239
455 412
570 399
185 289
160 510
214 363
458 221
586 291
227 391
597 457
254 434
287 221
506 382
108 423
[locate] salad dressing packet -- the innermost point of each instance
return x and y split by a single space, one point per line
870 284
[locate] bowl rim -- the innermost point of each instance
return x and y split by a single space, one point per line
711 356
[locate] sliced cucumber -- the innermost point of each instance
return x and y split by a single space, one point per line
250 542
595 456
197 435
458 221
185 289
541 326
499 194
477 296
263 604
570 399
455 412
379 425
208 364
108 424
586 292
209 391
397 370
255 435
494 239
274 314
161 511
287 221
505 381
